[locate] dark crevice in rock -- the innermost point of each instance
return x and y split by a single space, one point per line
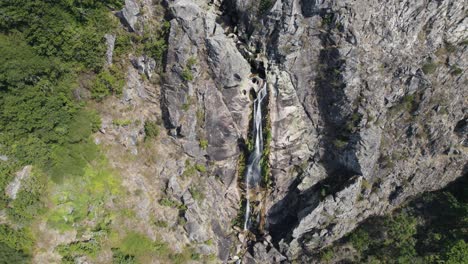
339 137
339 122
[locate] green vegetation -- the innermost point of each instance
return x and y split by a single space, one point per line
155 44
187 74
151 129
161 223
431 229
265 5
121 122
70 251
108 81
74 197
52 64
200 167
340 143
429 67
138 244
455 70
353 123
326 255
14 245
197 193
171 203
191 62
10 255
118 257
203 144
191 170
327 19
407 104
265 166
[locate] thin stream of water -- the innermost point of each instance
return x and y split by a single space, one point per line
253 174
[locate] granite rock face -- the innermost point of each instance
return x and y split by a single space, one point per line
367 108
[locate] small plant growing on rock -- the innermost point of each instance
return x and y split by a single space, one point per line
197 193
340 143
151 129
455 70
121 122
200 167
203 144
429 67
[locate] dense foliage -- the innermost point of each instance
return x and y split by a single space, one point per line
45 46
431 229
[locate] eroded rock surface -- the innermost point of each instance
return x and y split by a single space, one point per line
363 89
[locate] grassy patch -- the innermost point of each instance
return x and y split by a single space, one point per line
107 82
73 250
429 67
151 129
264 6
121 122
455 70
187 74
200 167
197 193
203 144
73 198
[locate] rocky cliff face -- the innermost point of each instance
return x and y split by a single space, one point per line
367 108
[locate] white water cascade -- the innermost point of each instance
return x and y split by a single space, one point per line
253 173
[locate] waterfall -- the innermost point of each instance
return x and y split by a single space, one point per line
254 171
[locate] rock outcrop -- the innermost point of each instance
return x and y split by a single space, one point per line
367 108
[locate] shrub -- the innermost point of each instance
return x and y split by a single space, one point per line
151 129
19 239
340 143
121 122
455 70
200 167
109 81
203 144
191 62
161 223
265 5
118 257
10 255
429 67
326 255
70 251
360 240
197 193
187 74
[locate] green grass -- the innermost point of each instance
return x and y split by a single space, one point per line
197 193
73 198
429 67
121 122
73 250
187 74
455 70
200 167
107 82
151 129
203 144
